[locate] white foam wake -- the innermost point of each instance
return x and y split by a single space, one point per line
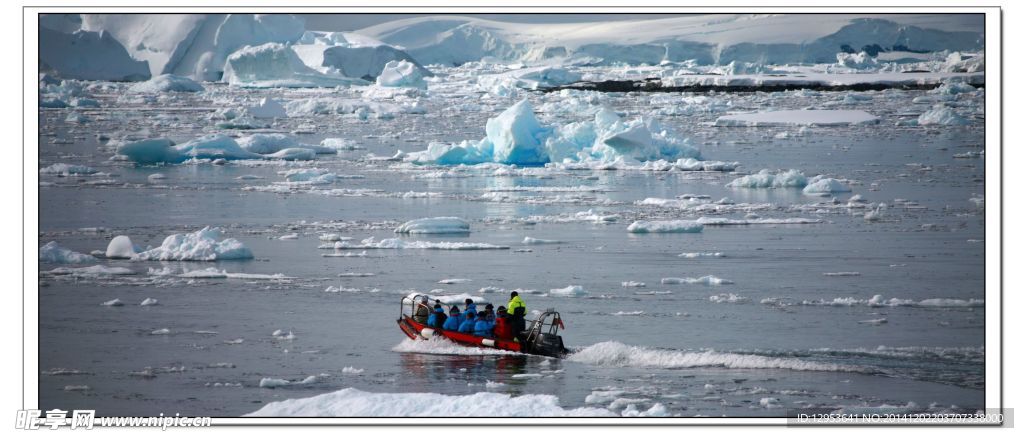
617 354
351 402
444 346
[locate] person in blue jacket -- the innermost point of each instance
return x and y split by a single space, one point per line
437 318
469 324
454 320
484 326
470 307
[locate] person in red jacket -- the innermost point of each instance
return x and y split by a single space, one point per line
502 325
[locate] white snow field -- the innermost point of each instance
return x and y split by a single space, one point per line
734 215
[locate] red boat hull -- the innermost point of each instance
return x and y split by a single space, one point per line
415 330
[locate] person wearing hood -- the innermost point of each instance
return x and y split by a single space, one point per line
502 325
469 323
437 318
454 320
470 307
484 325
517 313
422 311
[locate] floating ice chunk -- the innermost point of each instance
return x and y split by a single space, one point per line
167 83
216 273
859 61
202 245
312 177
601 397
371 243
276 142
535 241
92 271
63 169
728 298
770 403
657 410
822 185
707 280
274 65
722 221
880 301
271 383
633 284
351 402
149 302
799 117
694 255
401 73
339 144
516 137
54 253
120 247
672 226
163 331
941 115
113 303
569 291
351 370
162 150
293 154
267 108
434 225
766 179
841 274
454 281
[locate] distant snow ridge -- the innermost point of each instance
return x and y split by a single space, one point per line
617 354
202 245
516 137
710 39
351 402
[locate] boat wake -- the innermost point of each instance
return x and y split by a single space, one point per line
443 346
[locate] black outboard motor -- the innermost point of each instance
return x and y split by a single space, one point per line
545 340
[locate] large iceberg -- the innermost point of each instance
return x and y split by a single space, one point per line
273 65
351 55
516 137
88 55
194 45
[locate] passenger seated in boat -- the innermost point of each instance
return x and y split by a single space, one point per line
502 328
484 325
437 318
454 320
470 307
422 311
469 324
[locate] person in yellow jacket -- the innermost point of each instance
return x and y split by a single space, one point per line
516 309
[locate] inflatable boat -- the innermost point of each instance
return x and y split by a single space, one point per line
540 337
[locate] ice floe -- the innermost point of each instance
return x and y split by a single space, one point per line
167 83
707 280
63 169
202 245
52 252
672 226
569 291
766 179
799 117
394 243
401 73
434 225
